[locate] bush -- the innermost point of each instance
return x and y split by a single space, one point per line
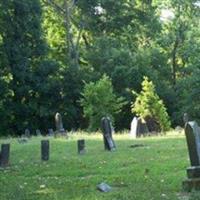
99 101
149 106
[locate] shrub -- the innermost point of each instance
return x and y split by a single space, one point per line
99 101
149 106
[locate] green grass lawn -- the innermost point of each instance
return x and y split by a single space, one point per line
152 172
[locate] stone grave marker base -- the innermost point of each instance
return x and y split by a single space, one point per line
193 180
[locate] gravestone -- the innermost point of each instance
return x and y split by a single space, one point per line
59 124
185 118
38 132
45 150
27 133
192 133
104 187
4 155
106 126
138 127
81 146
50 132
134 127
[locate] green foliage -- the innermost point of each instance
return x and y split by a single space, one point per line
49 48
26 71
149 105
99 100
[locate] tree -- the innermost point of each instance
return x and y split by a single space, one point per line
99 101
25 65
149 106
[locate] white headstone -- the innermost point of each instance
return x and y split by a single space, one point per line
134 127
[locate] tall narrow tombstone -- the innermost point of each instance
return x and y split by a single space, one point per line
81 146
192 133
59 123
27 133
134 127
45 150
185 118
4 155
107 134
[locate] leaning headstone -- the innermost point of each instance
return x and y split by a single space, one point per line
59 124
192 133
38 132
4 155
107 134
45 150
81 146
27 133
103 187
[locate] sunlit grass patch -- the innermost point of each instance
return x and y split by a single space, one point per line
152 171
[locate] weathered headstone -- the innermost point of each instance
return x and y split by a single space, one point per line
50 132
38 132
27 133
59 124
138 127
185 118
81 146
134 127
152 126
192 133
107 134
4 155
45 150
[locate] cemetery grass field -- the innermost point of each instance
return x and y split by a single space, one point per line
151 172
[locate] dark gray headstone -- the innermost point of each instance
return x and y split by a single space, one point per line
106 126
27 133
81 146
45 150
103 187
4 155
50 132
59 123
192 133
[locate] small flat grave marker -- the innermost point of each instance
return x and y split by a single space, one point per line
103 187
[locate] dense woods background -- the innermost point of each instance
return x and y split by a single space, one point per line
49 50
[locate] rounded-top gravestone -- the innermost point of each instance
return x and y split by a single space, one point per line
59 123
